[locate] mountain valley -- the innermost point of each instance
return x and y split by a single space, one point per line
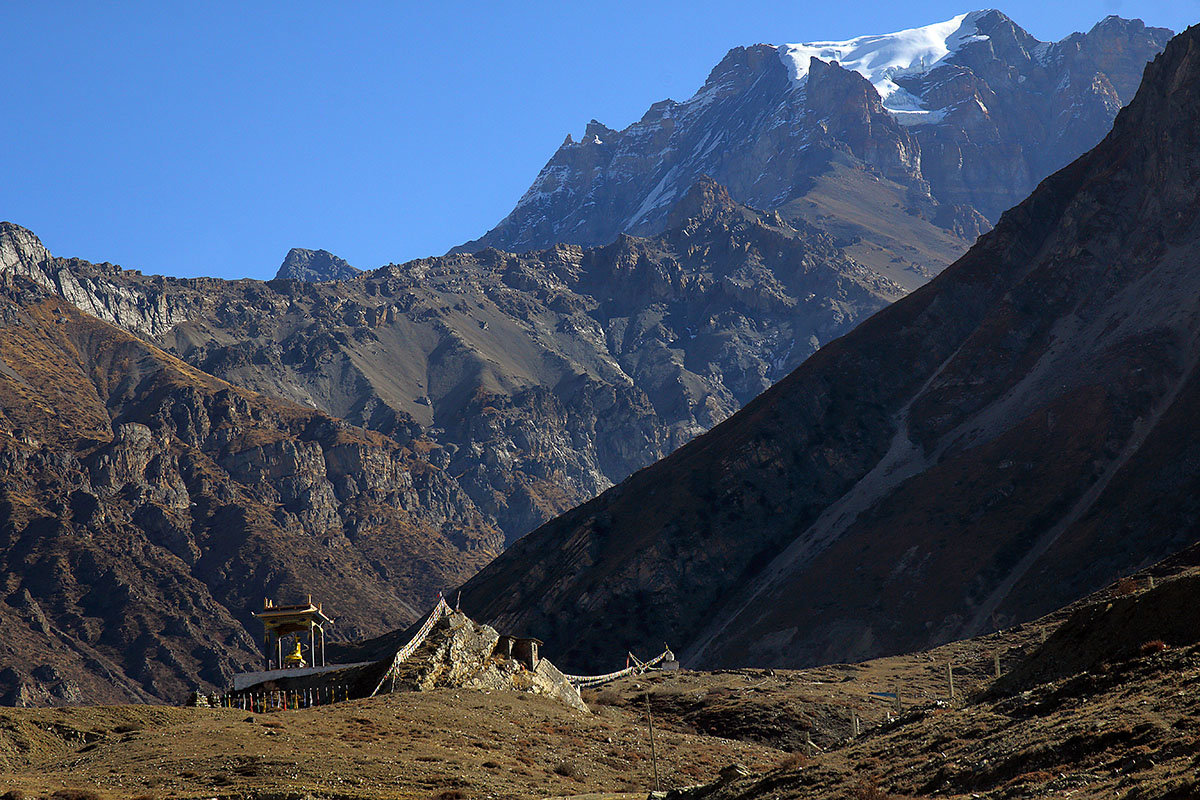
905 516
1003 440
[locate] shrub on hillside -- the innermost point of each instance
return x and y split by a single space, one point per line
1125 587
1152 647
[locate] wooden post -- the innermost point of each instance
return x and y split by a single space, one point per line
653 751
322 645
950 679
809 749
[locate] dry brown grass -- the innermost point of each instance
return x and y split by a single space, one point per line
1125 587
370 749
793 761
869 790
569 769
1152 647
1038 777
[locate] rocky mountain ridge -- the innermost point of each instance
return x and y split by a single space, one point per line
1001 441
976 113
535 380
146 508
314 266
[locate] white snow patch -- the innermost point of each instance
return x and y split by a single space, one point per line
552 179
881 57
662 194
910 118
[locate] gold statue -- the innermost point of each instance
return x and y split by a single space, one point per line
295 658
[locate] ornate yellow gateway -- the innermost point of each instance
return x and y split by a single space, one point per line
298 621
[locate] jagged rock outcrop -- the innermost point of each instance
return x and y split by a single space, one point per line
1001 441
91 287
146 507
314 266
906 150
461 653
537 380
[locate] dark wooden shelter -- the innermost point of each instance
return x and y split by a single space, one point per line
521 648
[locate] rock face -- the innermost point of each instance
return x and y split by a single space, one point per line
907 149
461 653
536 380
999 442
314 266
1013 110
146 507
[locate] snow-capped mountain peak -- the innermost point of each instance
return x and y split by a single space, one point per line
881 57
961 118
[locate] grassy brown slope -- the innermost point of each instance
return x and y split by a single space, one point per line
1103 708
869 216
422 745
1083 708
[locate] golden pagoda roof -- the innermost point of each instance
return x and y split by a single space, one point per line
273 615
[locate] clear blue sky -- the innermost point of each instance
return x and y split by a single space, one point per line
208 138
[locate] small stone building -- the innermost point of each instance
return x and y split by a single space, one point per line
520 648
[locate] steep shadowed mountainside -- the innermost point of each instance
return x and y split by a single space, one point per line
537 380
1003 440
902 145
146 508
